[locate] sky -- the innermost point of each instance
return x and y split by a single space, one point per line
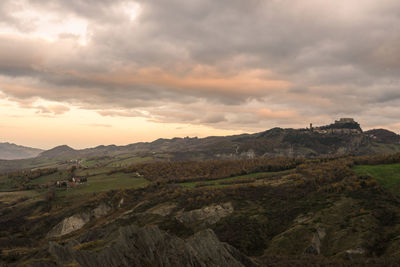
93 72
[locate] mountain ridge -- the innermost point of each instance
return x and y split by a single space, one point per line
343 136
10 151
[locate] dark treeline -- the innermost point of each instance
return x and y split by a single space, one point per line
183 171
21 179
31 174
212 169
377 159
332 176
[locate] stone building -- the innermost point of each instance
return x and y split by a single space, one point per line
341 126
345 120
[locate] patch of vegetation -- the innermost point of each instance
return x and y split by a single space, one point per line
387 175
175 227
248 178
222 180
18 196
93 171
104 182
59 175
248 234
191 171
125 162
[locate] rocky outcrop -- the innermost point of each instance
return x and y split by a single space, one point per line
121 202
163 209
69 225
341 230
101 210
149 246
77 221
207 215
355 252
316 242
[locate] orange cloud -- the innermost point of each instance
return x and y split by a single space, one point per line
249 82
281 114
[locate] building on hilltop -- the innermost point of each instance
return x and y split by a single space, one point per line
341 126
345 120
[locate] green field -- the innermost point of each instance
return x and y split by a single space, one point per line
5 183
219 182
100 181
64 174
104 182
89 163
387 175
118 161
60 175
93 171
8 197
124 162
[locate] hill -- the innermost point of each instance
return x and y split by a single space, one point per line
264 212
342 137
63 151
115 208
12 151
384 136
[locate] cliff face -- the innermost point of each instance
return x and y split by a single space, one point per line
78 221
149 246
206 215
132 245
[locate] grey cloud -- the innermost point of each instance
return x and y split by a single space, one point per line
340 58
214 118
19 57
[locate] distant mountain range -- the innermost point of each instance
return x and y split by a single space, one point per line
344 136
12 151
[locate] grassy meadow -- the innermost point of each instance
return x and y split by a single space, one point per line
104 182
387 175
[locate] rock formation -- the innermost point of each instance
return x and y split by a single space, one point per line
149 246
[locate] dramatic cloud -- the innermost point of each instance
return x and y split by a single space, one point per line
229 64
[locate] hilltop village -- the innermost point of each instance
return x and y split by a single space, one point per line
341 126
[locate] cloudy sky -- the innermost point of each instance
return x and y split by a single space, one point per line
90 72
